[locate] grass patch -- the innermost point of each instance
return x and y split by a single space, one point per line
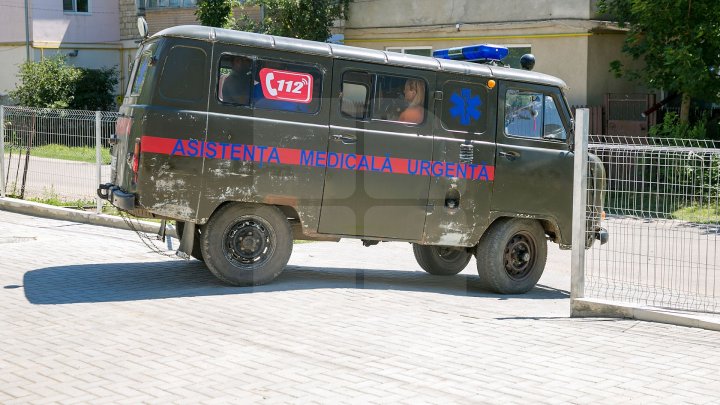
698 214
74 153
54 200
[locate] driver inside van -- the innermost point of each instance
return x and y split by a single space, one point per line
415 95
236 85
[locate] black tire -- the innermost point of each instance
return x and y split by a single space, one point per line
441 260
511 255
196 250
246 244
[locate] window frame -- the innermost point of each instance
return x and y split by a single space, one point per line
256 60
485 111
374 99
218 90
148 5
545 91
367 105
162 79
75 8
131 88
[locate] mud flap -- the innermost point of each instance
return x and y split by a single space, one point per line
187 241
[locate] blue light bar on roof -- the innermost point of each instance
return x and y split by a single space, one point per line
473 52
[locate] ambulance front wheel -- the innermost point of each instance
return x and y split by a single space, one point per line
246 244
441 260
511 255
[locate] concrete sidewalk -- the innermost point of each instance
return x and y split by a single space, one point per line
90 314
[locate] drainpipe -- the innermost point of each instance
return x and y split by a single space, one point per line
27 32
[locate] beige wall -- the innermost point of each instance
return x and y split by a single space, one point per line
560 49
13 56
400 13
602 50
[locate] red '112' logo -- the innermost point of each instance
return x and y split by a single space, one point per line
286 86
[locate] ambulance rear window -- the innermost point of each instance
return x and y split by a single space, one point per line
143 64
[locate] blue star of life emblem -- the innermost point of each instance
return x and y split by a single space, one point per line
465 106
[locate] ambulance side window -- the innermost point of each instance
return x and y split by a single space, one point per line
182 77
523 113
141 73
531 114
401 99
355 95
464 107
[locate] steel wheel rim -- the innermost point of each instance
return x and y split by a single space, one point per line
248 242
519 256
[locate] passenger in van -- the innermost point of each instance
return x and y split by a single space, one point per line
415 95
236 85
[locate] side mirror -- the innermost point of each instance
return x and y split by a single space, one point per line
571 136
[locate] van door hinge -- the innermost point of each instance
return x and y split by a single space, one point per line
439 95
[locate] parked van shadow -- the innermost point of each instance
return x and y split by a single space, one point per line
148 281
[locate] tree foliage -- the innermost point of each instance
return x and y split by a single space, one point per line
216 13
51 83
304 19
679 41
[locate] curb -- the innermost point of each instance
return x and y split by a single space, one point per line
595 308
67 214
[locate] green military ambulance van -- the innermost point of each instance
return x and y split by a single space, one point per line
250 141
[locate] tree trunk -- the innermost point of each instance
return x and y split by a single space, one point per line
685 109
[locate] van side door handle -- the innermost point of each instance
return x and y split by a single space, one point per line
346 139
511 155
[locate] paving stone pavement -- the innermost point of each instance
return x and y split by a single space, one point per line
91 315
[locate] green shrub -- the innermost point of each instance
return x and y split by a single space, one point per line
671 127
51 83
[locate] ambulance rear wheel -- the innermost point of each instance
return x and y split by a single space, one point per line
247 244
511 255
196 251
441 260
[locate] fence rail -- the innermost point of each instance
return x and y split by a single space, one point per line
663 216
52 154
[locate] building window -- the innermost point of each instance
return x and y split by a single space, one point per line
76 6
170 3
412 50
515 52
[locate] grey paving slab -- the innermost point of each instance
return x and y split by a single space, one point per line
91 315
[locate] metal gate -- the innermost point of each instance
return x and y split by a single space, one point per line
625 114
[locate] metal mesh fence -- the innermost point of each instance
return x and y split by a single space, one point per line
663 216
50 154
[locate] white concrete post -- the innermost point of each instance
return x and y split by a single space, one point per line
2 151
98 156
577 273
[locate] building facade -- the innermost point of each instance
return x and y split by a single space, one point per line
87 32
568 38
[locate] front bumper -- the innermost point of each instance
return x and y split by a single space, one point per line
116 196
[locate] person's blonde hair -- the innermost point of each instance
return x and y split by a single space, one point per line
419 87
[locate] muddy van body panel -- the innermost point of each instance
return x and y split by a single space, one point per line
366 196
533 176
170 185
459 206
271 135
